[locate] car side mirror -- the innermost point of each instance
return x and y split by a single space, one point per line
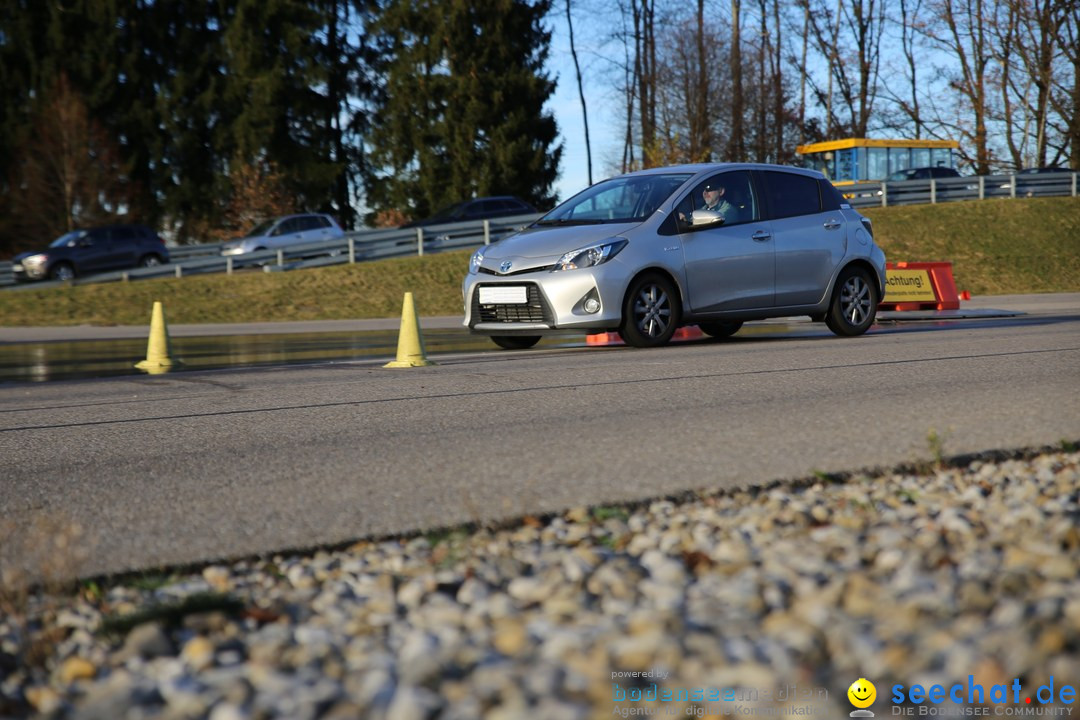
704 218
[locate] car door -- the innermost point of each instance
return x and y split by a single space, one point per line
810 242
288 232
729 266
321 229
121 248
309 227
93 251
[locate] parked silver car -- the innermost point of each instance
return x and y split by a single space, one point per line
648 252
284 231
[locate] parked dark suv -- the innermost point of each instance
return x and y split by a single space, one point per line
81 252
923 173
479 209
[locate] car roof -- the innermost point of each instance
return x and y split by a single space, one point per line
112 226
704 168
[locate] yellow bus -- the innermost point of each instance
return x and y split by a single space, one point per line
855 160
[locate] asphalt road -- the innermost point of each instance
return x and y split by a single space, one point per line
196 466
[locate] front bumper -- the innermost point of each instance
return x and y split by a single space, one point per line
555 301
23 272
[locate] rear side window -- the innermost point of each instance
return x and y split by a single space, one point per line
123 236
791 194
831 199
287 227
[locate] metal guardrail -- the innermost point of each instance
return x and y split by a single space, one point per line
367 245
979 187
359 246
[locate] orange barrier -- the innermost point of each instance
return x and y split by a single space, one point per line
688 332
921 286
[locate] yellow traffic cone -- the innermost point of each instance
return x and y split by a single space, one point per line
159 348
410 346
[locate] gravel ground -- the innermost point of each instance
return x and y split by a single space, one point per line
765 602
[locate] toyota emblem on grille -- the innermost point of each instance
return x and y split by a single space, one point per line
505 267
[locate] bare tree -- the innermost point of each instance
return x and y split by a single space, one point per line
1066 101
581 90
735 147
686 130
69 173
966 37
851 42
1037 30
910 21
643 13
701 141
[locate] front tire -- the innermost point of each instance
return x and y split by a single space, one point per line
854 303
651 312
515 342
149 261
62 271
720 330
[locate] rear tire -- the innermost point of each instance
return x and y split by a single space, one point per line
854 303
515 342
651 312
720 330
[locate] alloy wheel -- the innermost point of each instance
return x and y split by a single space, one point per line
856 300
652 311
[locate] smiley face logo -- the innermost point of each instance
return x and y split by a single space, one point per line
862 693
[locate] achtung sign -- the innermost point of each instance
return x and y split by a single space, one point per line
908 286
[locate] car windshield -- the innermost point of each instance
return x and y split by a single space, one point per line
899 175
67 239
261 229
619 200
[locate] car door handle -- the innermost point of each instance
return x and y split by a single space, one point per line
761 236
832 224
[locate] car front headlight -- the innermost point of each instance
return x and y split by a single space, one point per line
39 259
475 260
589 256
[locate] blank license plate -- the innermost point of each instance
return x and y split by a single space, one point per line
507 295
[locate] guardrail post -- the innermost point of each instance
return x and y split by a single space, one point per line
487 223
228 265
884 194
1012 186
982 187
280 257
352 251
420 241
1074 185
179 271
933 191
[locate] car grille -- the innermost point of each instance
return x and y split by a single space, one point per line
536 310
542 268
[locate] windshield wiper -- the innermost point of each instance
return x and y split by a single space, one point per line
570 221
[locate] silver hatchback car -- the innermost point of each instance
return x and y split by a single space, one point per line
710 245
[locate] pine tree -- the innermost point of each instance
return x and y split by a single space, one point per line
271 81
461 109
